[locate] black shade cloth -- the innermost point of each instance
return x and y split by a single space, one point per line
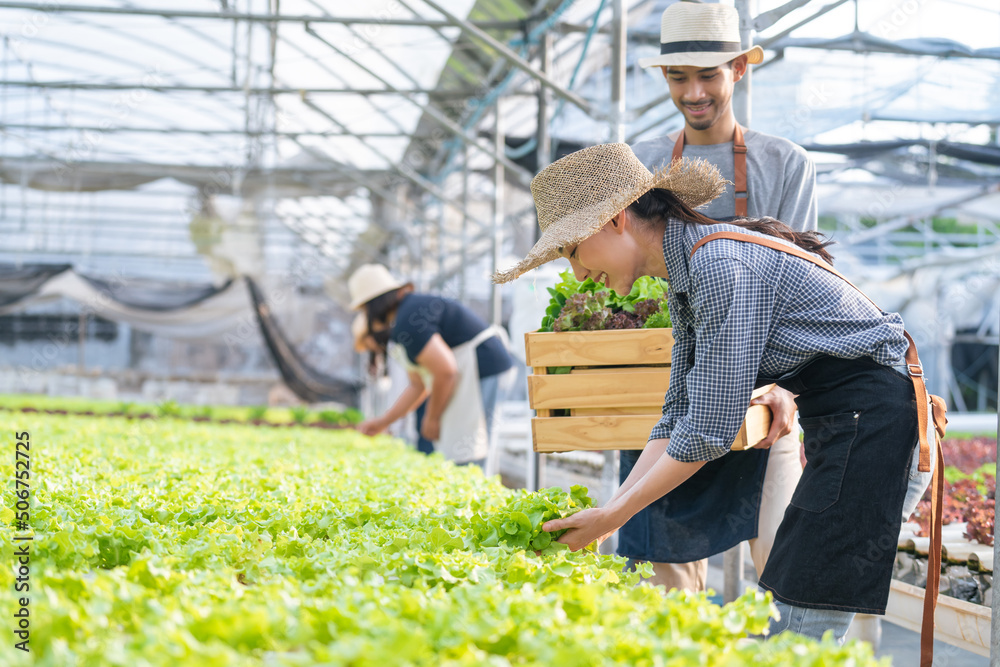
308 384
862 149
154 296
18 282
972 152
173 311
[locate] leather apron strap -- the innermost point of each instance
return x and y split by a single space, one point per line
739 167
916 372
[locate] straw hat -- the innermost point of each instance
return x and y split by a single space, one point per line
370 281
578 194
700 35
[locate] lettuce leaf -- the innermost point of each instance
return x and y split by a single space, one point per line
590 306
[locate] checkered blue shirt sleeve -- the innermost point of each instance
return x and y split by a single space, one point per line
731 309
675 403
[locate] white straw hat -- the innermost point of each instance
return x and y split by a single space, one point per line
577 195
700 35
370 281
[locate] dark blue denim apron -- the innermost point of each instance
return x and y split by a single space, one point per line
836 545
715 509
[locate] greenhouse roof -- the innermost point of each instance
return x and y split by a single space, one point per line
309 108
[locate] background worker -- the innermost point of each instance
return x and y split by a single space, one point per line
365 342
454 361
701 59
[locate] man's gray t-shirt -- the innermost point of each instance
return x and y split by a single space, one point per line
781 179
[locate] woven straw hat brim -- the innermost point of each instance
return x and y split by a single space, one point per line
695 181
755 56
572 229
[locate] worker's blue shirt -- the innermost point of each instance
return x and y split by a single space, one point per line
740 311
420 316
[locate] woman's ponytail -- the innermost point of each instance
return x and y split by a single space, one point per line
663 205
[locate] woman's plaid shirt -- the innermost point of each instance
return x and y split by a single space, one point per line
740 310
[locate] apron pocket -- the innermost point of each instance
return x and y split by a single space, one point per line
828 442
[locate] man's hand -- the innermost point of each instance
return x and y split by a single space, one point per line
782 404
584 527
372 426
430 428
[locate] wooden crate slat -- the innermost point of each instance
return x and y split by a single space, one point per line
564 434
757 422
599 348
540 372
598 412
612 390
754 427
605 370
610 432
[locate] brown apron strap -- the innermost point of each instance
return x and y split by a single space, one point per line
912 360
739 167
776 245
933 564
916 373
678 147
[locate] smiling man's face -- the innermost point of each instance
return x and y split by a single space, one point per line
703 94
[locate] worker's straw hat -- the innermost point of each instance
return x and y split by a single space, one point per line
700 35
578 194
370 281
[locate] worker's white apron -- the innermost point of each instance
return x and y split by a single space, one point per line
463 435
398 353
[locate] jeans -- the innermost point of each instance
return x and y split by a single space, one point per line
811 622
489 390
423 444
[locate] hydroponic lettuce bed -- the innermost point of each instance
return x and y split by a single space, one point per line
968 516
172 543
258 415
966 586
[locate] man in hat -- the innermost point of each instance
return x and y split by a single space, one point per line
702 59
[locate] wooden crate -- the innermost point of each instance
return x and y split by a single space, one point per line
614 392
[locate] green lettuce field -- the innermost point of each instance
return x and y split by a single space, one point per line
162 542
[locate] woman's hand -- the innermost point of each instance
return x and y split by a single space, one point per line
372 426
584 527
782 404
430 428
